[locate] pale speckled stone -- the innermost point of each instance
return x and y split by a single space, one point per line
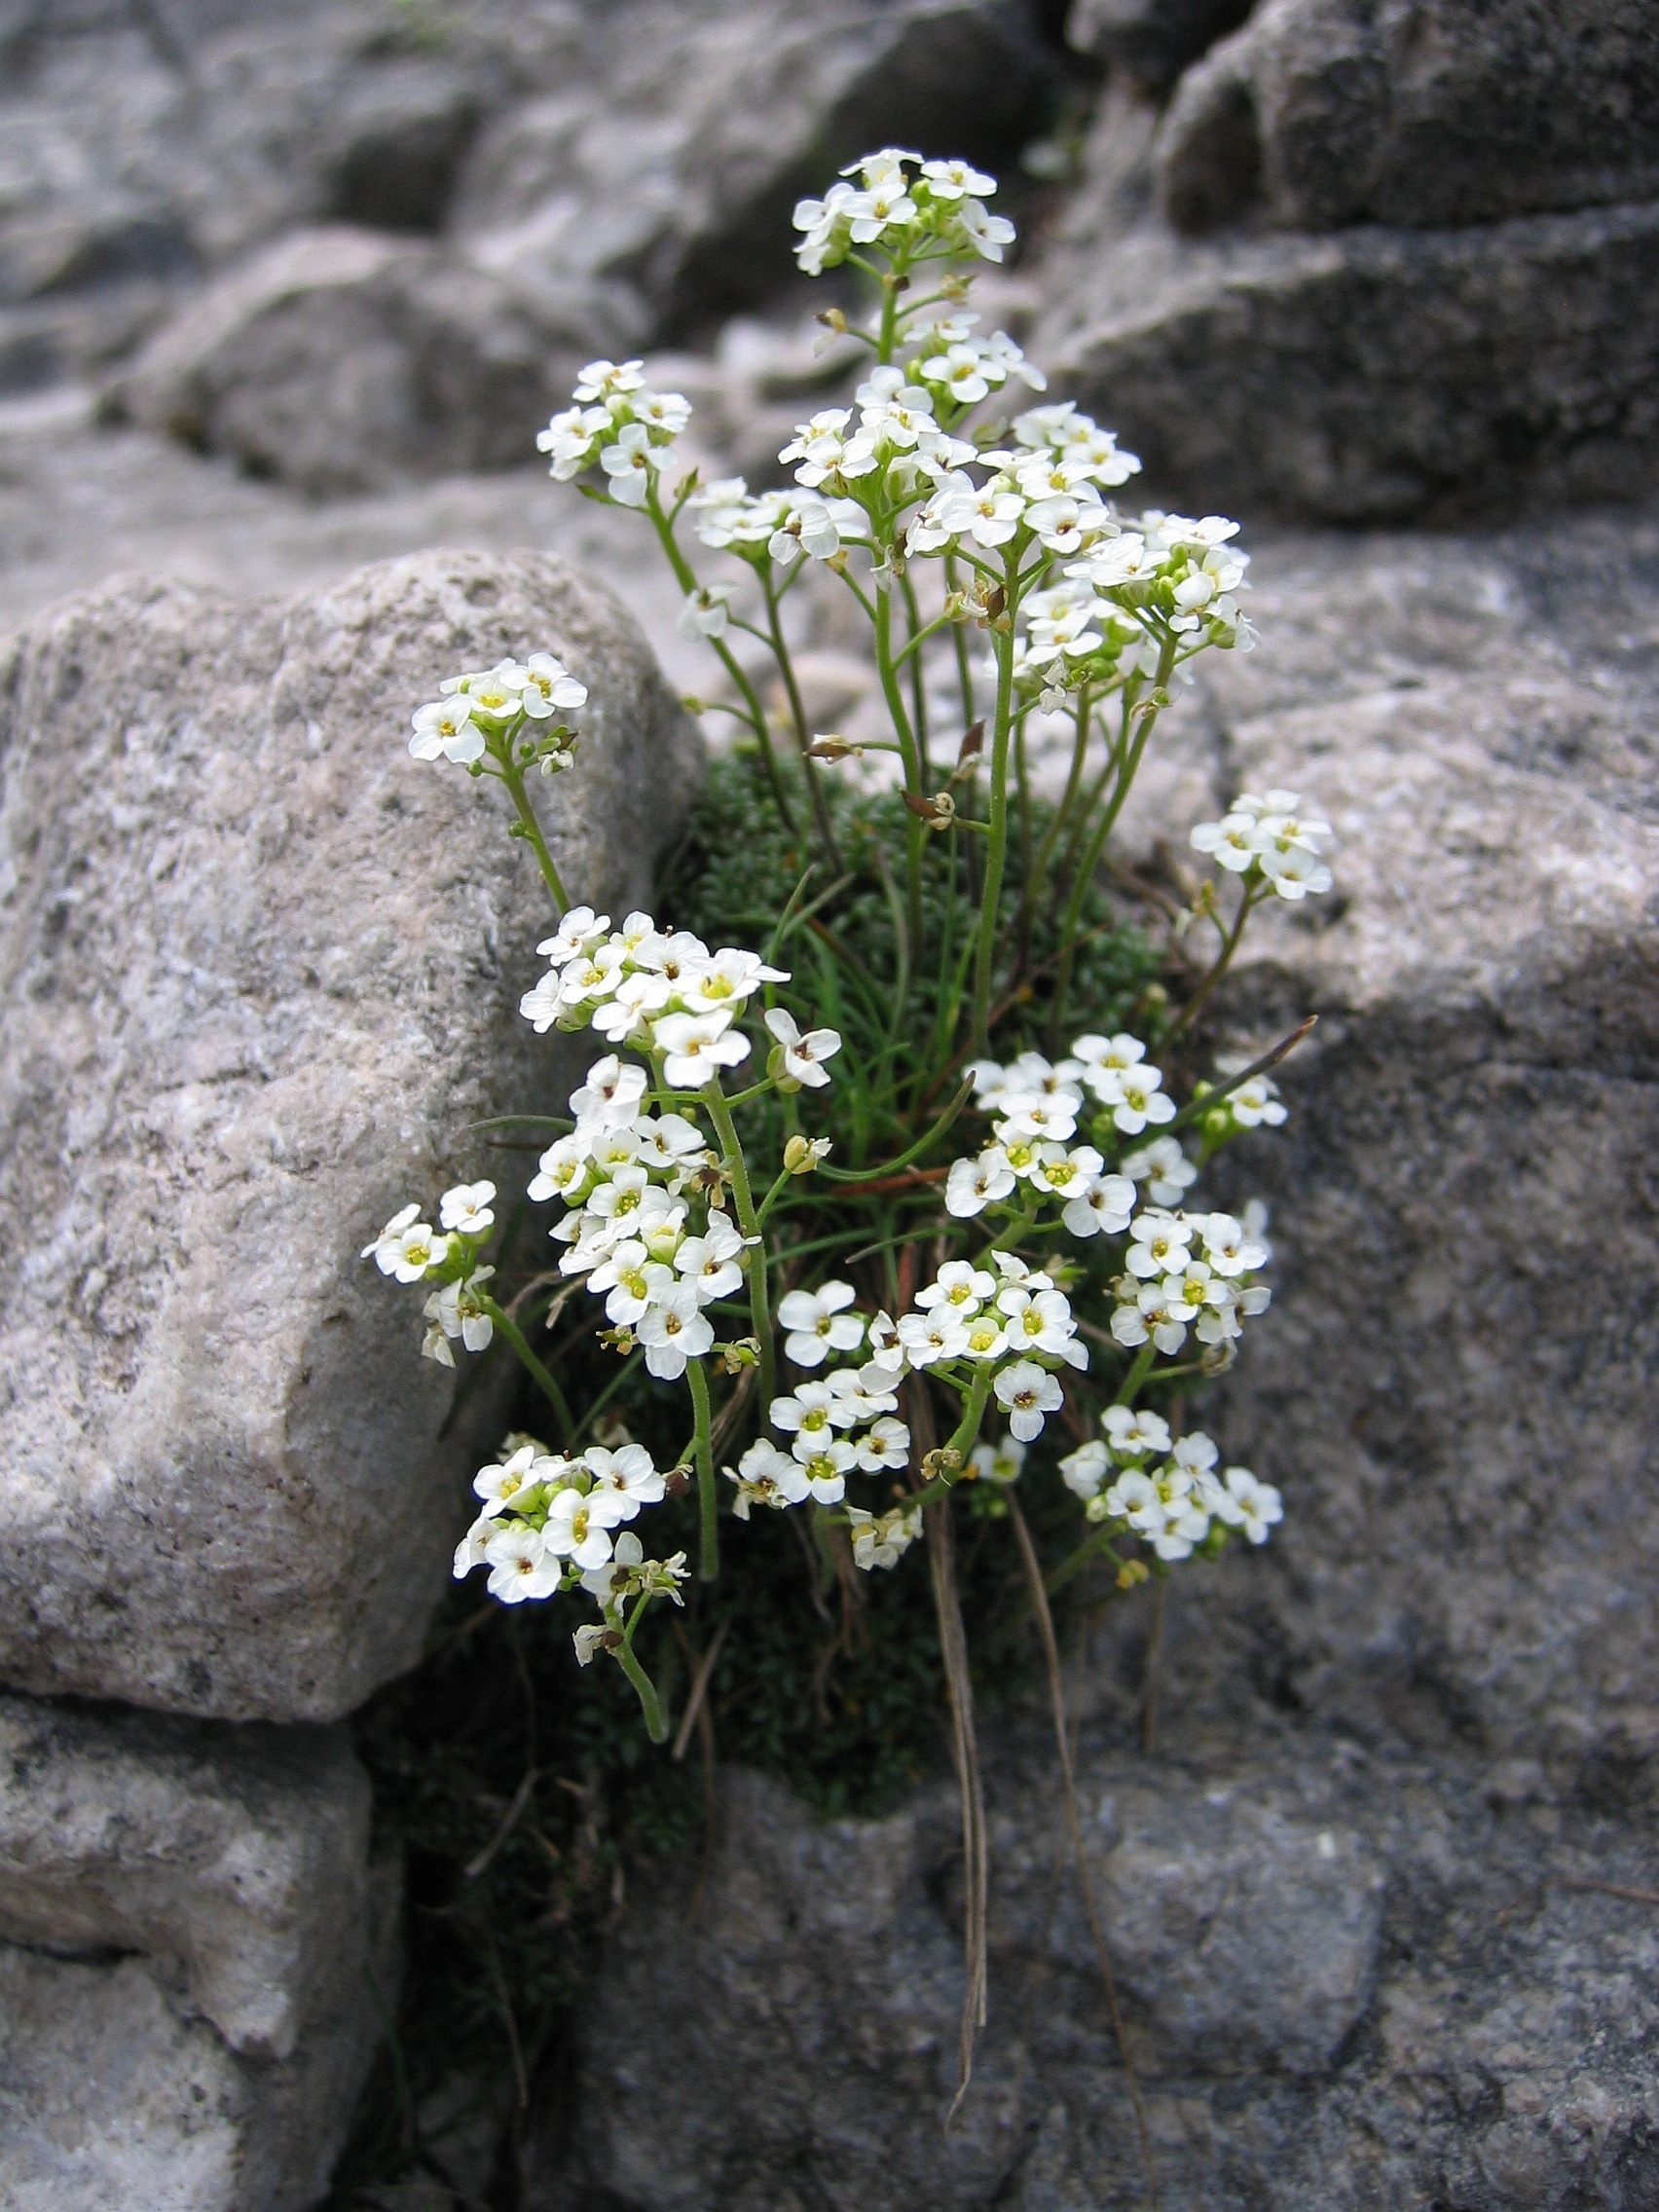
263 971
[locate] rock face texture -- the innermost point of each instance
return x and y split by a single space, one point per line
1305 2035
261 969
189 1941
1377 262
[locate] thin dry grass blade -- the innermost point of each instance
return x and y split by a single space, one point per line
1057 1703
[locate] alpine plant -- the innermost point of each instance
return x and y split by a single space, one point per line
948 1237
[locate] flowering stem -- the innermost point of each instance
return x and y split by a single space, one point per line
990 896
915 835
686 576
1137 1374
1062 813
760 1313
656 1727
513 777
797 714
963 1439
1228 947
514 1335
1096 845
708 1565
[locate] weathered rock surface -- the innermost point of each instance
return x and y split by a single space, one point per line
1426 115
1456 1385
342 358
261 969
1151 40
1373 374
1474 2038
188 1933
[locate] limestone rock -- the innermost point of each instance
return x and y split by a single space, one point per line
1423 116
342 360
1454 1386
681 178
1372 374
1151 40
1305 2037
188 1933
262 970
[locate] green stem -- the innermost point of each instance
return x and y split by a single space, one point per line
513 777
1075 1562
1062 813
963 1439
797 714
1090 858
656 1727
918 687
1228 947
996 857
759 1311
1129 1389
707 1503
915 835
686 576
538 1374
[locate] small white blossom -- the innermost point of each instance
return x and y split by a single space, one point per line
883 1541
766 1476
819 1323
467 1207
1027 1393
803 1056
521 1563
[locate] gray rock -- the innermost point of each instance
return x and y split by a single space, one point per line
1303 2039
681 178
1153 41
342 359
261 969
1436 115
189 1942
1456 1385
1371 375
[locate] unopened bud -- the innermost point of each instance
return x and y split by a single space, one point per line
830 746
833 320
1131 1574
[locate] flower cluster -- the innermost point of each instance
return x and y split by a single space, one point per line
1168 1491
940 210
489 707
411 1250
776 526
619 423
665 993
1188 1271
1037 1105
1265 840
836 1423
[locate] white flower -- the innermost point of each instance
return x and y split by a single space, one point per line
1132 1436
1040 1115
521 1563
610 379
579 932
886 1352
706 612
1027 1393
504 1482
950 180
999 1462
986 1338
1252 1505
813 1410
1086 1468
959 1285
826 1466
406 1247
445 730
1231 841
931 1337
630 464
819 1323
766 1476
985 233
1227 1248
665 411
1102 1206
884 1447
803 1056
610 1096
712 1262
632 1280
1042 1321
549 687
469 1552
882 1542
1296 873
467 1207
974 1184
454 1311
1158 1243
627 1474
1163 1167
1143 1313
1256 1103
588 1640
697 1046
674 1330
580 1524
1135 1096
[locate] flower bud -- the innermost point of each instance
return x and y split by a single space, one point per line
1132 1572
